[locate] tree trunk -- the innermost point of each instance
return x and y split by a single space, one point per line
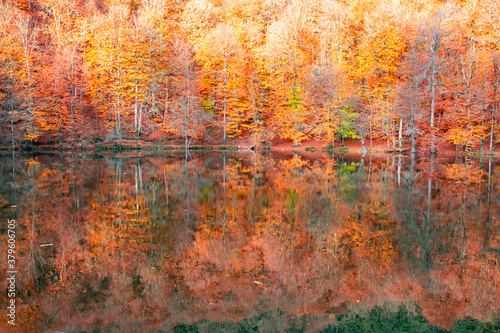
186 110
166 105
427 221
362 138
225 105
494 108
117 115
434 49
136 105
388 136
413 143
11 107
392 133
492 128
97 122
140 121
28 113
400 133
72 116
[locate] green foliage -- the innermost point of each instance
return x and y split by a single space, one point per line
228 148
208 104
295 100
347 128
207 193
380 320
291 200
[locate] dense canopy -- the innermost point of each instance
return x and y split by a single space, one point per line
406 72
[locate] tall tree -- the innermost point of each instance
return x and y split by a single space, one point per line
433 35
219 51
287 58
411 95
11 85
105 66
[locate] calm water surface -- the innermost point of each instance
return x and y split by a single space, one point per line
228 242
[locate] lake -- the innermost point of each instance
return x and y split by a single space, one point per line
250 242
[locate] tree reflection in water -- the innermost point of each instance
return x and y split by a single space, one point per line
224 241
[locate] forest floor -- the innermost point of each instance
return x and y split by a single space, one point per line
376 146
160 140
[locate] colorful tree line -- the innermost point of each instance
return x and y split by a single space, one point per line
410 73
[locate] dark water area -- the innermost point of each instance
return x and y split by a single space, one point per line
250 242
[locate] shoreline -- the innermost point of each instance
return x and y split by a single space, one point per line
309 147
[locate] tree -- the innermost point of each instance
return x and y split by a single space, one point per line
218 52
105 66
374 70
327 91
488 27
411 95
468 101
11 84
432 38
60 108
286 61
186 115
147 65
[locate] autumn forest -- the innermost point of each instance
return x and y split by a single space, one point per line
407 73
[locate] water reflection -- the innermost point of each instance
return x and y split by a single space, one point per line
259 242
